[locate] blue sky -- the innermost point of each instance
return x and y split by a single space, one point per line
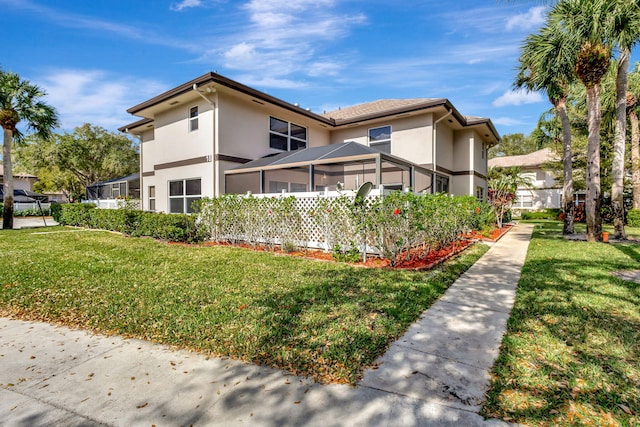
97 58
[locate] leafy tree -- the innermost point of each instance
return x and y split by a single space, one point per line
71 161
546 64
584 23
625 32
632 110
503 186
512 145
20 101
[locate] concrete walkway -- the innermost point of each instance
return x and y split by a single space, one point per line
20 222
435 375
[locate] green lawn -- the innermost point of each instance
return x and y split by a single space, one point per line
571 356
320 319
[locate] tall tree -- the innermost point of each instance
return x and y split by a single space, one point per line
625 32
71 161
20 101
632 110
584 22
546 64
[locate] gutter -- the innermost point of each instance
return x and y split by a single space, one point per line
215 129
433 149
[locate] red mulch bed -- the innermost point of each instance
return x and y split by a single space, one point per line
418 259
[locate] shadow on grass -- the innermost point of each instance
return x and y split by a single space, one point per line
573 342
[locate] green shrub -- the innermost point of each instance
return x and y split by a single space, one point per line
633 218
171 227
56 211
551 214
76 214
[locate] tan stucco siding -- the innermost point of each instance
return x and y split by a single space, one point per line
244 128
410 136
462 146
173 141
162 177
444 147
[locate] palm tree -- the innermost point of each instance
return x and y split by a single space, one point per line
632 111
546 64
585 23
20 102
625 31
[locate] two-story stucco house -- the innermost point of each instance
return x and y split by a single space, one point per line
545 191
213 135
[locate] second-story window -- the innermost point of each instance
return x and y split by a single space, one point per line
380 139
286 136
193 119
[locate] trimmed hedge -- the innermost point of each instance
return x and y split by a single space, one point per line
170 227
552 214
633 218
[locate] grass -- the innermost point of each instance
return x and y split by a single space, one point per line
319 319
571 355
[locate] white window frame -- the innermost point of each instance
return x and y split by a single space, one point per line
152 197
184 196
288 134
193 120
380 142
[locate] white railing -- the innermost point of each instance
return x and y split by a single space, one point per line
23 206
114 203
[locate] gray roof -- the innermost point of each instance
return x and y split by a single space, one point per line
326 154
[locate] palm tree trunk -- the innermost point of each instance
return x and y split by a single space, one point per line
7 214
617 170
567 162
592 202
635 157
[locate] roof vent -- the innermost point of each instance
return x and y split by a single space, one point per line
174 102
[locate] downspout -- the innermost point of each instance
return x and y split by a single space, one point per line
213 117
433 150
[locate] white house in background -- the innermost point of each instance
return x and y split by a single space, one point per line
213 135
21 181
545 191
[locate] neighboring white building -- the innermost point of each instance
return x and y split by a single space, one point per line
210 136
545 192
21 181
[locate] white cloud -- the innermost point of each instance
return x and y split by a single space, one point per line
285 38
534 17
519 97
184 4
95 96
507 121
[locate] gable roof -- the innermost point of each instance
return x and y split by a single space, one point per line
537 158
17 175
376 107
367 111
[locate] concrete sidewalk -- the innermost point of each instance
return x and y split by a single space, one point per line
20 222
435 375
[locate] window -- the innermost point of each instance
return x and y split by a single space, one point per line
286 136
152 197
380 139
526 200
193 119
482 150
480 193
182 194
442 184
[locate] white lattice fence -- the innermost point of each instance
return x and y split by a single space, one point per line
305 220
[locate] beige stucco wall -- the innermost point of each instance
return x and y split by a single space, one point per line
410 136
244 127
444 147
161 179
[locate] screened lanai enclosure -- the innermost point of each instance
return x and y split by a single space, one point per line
342 166
125 186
